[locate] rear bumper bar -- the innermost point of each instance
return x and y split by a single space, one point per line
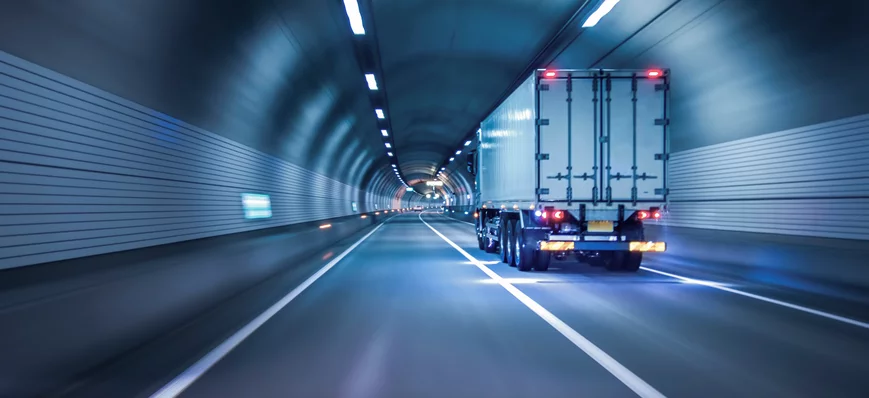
560 245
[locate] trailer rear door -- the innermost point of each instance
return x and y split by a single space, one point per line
602 136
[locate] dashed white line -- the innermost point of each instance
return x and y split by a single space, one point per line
194 372
631 380
765 299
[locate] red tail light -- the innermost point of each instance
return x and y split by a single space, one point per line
549 74
655 73
656 215
558 215
642 214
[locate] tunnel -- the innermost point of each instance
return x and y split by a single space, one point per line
283 198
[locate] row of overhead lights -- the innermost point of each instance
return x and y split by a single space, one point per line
452 158
358 28
603 9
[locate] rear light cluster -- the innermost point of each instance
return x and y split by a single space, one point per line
556 215
647 214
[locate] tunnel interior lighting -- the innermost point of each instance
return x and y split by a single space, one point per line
451 159
380 114
384 133
388 145
442 169
601 11
468 142
372 81
459 152
352 8
389 153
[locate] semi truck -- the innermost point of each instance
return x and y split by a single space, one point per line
574 163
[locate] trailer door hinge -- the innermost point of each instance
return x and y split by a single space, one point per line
542 156
662 122
662 156
662 87
543 191
543 87
542 122
662 191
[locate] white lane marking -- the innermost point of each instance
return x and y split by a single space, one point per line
719 286
713 285
194 372
627 377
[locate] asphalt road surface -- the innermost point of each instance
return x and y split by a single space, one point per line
414 309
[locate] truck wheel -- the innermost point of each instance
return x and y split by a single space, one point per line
613 261
542 263
631 261
505 240
490 245
524 257
481 242
509 242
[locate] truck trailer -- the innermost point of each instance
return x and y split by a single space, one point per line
574 162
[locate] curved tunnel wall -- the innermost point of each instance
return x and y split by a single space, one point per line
142 124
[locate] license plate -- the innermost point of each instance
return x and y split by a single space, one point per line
600 226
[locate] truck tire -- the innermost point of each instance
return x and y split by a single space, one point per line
612 261
505 232
631 261
510 244
490 245
481 242
542 261
524 257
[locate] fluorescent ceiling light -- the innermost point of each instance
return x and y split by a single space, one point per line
388 145
389 153
394 166
380 114
604 9
451 159
352 8
443 168
384 133
372 82
458 152
468 142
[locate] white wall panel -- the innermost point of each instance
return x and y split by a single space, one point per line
811 181
83 172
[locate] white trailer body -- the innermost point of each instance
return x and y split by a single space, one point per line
607 130
589 143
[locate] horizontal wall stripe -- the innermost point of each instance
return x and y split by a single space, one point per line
809 181
84 172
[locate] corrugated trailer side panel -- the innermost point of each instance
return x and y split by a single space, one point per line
507 149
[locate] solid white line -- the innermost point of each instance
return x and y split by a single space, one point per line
827 315
194 372
718 286
627 377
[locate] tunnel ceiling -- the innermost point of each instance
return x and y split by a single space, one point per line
447 62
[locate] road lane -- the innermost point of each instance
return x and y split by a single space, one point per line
405 315
690 340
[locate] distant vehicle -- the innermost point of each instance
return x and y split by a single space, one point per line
573 162
417 208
